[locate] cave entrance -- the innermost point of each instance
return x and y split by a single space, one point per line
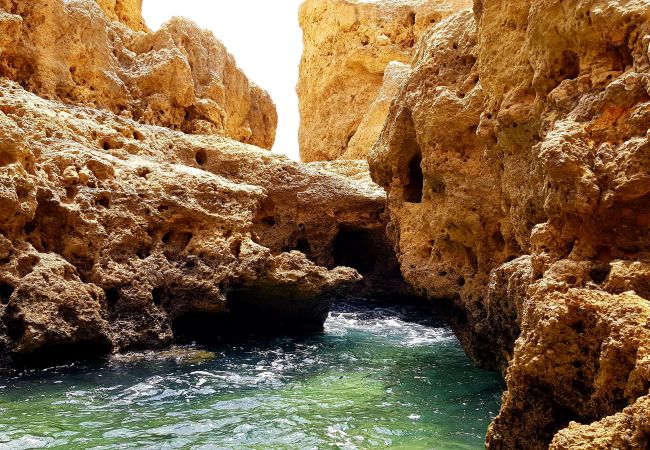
355 248
413 190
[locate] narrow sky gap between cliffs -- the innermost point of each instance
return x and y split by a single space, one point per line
266 41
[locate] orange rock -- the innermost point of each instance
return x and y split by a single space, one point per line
180 76
516 160
347 46
129 218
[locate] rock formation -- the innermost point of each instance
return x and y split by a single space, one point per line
129 12
118 231
516 157
178 77
347 46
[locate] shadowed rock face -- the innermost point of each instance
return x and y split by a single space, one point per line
119 234
516 160
179 77
348 45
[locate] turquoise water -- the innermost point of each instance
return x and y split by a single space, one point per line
374 379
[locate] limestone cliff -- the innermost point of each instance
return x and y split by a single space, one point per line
347 46
178 77
118 233
129 12
517 161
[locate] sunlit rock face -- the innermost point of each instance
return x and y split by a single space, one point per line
179 77
517 162
119 231
347 46
129 12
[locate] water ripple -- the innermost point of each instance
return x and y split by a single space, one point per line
375 378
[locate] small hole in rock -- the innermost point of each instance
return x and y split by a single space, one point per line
103 201
112 296
268 221
201 157
579 327
67 313
570 68
156 296
413 190
235 247
498 240
302 245
411 18
599 274
6 290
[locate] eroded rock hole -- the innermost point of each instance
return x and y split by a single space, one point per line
14 324
622 58
411 18
268 221
599 274
67 313
499 241
112 296
413 190
6 290
235 247
303 246
157 296
355 248
103 200
176 242
570 68
201 157
409 171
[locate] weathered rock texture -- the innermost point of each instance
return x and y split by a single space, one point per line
517 161
179 77
129 12
119 235
347 46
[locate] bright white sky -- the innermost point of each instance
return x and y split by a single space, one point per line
266 40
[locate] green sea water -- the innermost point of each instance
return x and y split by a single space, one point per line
376 378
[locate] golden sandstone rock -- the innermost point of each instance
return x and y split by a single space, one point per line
348 44
178 77
514 152
517 164
129 12
118 231
115 233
